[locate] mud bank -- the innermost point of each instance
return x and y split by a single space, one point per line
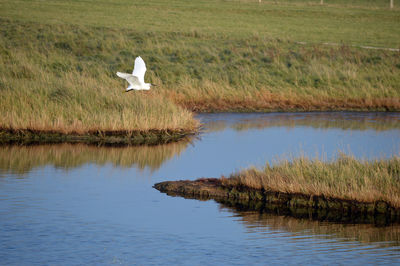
296 205
151 137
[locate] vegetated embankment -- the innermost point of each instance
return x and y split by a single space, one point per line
345 190
56 91
113 138
57 68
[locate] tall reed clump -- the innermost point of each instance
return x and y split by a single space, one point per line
343 178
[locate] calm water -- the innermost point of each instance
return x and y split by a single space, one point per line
77 204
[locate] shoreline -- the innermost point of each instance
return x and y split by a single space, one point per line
293 204
134 137
284 104
112 138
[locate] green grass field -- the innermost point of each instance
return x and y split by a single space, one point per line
365 22
58 60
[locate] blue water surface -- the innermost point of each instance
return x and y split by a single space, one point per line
76 204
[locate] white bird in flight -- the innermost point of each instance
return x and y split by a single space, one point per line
136 79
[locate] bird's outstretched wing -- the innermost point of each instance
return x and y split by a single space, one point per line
123 75
133 80
140 69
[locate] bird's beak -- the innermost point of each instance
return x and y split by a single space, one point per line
153 84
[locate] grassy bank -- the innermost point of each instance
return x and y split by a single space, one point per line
343 190
58 61
345 178
45 89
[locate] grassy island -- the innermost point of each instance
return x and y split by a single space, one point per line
345 185
58 61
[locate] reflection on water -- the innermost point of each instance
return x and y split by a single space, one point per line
388 236
339 120
22 159
244 206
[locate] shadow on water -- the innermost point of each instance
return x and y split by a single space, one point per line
320 120
22 159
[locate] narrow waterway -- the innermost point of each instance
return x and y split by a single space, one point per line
76 204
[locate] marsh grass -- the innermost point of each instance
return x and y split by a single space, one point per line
264 74
343 178
44 87
58 61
